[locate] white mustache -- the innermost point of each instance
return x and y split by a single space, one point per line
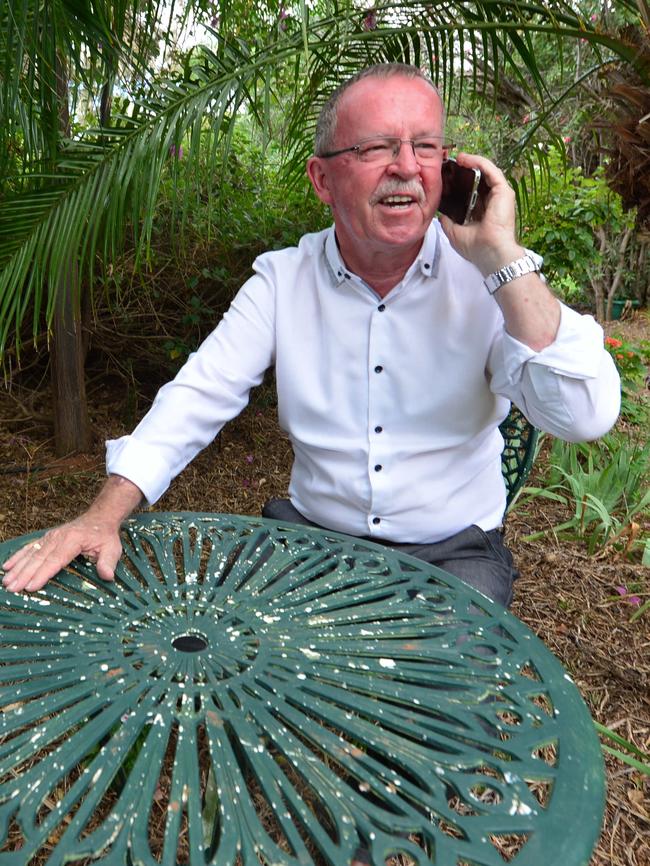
397 187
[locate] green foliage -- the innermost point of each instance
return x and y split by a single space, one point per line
632 756
605 484
633 363
631 360
274 63
563 222
202 251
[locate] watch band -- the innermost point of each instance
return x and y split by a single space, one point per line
527 264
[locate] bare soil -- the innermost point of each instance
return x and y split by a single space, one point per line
564 595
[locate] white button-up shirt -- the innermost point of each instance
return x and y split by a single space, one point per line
392 405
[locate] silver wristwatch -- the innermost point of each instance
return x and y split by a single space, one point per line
528 264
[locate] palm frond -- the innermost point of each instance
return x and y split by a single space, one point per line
110 178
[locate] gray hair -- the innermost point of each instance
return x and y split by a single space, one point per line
326 124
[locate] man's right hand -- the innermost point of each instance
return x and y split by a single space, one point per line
94 534
32 566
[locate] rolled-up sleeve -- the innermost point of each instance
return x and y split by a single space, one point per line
570 389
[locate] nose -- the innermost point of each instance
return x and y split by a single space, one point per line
405 164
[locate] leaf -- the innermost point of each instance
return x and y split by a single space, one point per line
639 613
606 732
626 759
637 800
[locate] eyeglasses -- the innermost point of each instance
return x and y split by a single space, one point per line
384 151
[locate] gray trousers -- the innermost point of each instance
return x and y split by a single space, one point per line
478 558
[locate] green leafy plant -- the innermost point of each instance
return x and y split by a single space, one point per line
605 484
632 362
580 227
630 359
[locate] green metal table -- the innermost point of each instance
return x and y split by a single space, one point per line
254 692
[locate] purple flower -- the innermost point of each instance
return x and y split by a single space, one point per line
249 458
176 151
246 482
630 599
283 16
214 22
370 21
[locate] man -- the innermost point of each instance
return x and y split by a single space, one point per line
394 362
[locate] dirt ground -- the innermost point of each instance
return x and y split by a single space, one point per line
564 595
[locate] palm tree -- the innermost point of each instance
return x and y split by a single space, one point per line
43 46
68 207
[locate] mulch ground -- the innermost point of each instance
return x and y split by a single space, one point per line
565 596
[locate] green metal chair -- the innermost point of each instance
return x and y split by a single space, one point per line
518 453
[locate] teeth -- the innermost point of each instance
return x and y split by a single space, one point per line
397 199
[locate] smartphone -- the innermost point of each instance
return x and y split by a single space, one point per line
464 191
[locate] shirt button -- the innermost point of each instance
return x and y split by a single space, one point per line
427 266
381 308
378 429
378 467
378 368
376 520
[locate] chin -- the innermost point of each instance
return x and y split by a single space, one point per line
405 236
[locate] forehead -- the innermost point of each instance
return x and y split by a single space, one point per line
396 105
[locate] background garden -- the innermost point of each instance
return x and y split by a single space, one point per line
148 153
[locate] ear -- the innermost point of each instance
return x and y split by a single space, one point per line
318 175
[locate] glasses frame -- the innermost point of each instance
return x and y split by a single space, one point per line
356 148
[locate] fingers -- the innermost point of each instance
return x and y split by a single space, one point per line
490 240
33 565
107 561
492 173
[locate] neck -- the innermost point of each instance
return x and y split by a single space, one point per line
382 271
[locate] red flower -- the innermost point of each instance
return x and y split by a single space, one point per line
613 342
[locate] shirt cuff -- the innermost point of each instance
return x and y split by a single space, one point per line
576 352
140 463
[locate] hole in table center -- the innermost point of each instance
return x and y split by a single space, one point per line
189 643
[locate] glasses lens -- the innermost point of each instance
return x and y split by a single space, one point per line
380 151
383 151
428 149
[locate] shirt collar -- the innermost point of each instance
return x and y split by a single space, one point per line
426 261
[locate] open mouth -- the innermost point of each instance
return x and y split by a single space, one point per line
397 202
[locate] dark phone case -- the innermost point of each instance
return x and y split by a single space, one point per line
458 185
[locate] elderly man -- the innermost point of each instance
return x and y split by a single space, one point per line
398 343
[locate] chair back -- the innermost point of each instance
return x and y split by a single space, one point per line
518 451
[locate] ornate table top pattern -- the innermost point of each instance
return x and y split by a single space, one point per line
281 695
